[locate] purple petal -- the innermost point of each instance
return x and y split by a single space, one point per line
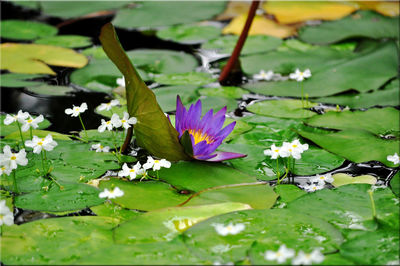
226 131
222 156
205 157
180 115
195 115
206 120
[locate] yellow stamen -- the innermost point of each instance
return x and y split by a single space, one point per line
200 136
108 122
13 157
156 161
40 143
29 121
132 170
123 120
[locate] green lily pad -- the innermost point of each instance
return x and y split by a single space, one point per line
6 130
157 14
189 34
227 92
240 128
356 213
395 184
111 210
355 145
283 108
72 197
378 121
295 44
389 96
145 196
67 41
25 30
33 58
15 80
166 96
269 228
166 224
344 179
190 78
37 132
50 90
328 78
288 193
358 249
64 240
96 52
106 138
253 44
366 24
215 103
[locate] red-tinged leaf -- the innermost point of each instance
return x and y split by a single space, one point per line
153 130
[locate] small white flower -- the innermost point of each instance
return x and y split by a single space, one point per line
108 106
30 122
115 193
296 145
281 255
300 76
12 160
128 121
20 117
307 259
313 187
156 164
115 121
100 148
394 158
76 110
273 152
294 149
230 229
105 125
322 179
131 172
121 81
6 216
5 170
264 75
39 144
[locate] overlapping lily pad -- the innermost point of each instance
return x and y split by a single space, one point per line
269 228
366 24
223 91
166 95
344 179
190 78
50 90
67 41
25 30
11 128
189 34
16 80
283 108
157 14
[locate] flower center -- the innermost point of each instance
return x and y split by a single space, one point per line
294 146
108 122
40 143
156 161
13 157
276 150
229 228
132 170
322 178
3 168
123 120
199 136
101 147
29 121
77 109
278 254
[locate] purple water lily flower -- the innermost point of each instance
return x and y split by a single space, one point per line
206 133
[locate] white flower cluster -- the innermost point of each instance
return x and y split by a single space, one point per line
39 144
230 229
293 149
76 110
302 258
111 194
10 160
138 170
6 216
25 119
318 182
100 148
116 122
394 158
270 75
300 75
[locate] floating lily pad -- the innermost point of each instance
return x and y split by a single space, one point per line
56 241
358 249
190 78
268 228
9 129
288 193
156 14
166 96
366 24
165 224
395 184
51 90
189 34
253 44
111 210
227 92
356 213
106 138
328 78
215 103
344 179
25 30
67 41
15 135
33 58
283 108
72 197
240 128
15 80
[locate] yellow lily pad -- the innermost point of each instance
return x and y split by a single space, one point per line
35 58
344 179
390 9
260 26
233 9
294 12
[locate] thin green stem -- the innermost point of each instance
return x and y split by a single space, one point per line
44 169
302 93
15 181
83 126
20 133
115 146
371 198
55 181
30 132
123 137
222 187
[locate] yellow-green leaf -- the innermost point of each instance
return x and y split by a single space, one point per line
34 58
